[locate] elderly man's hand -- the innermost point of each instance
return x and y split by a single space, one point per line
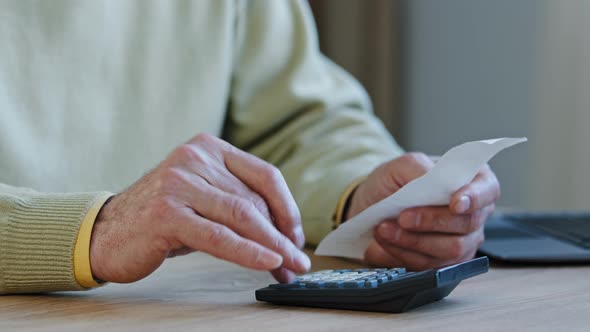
425 237
207 196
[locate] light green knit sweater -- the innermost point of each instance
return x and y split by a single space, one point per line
95 93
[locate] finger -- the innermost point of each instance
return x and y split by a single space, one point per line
375 255
237 213
217 240
405 258
221 178
204 152
437 219
409 167
267 180
283 275
482 191
205 162
442 246
241 216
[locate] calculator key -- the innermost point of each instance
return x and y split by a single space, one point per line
345 278
302 279
287 286
392 276
398 270
333 284
320 284
348 277
366 274
353 284
382 279
371 283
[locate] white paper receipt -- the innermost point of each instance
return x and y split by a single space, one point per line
453 170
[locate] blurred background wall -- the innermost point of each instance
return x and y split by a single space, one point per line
444 72
364 37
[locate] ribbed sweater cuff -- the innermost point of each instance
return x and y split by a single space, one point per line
37 244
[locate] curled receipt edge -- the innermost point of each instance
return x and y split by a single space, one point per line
453 170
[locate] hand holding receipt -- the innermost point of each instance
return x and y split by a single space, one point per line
454 169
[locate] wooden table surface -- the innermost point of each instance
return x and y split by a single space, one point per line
199 293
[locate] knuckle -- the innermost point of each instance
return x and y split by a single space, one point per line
407 158
439 222
190 152
419 221
258 256
205 147
173 179
216 235
242 247
416 158
204 138
173 174
260 205
272 174
457 248
418 162
497 189
278 242
184 150
494 186
241 210
430 221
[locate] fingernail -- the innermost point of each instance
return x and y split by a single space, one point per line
389 232
463 204
271 259
409 220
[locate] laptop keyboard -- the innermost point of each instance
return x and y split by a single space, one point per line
569 227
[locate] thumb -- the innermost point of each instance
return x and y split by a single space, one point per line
408 167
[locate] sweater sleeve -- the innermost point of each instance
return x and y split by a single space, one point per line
294 108
38 233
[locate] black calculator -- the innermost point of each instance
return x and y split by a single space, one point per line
382 290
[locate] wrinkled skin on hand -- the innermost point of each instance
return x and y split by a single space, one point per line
431 236
208 196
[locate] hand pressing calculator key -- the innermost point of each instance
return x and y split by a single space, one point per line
383 290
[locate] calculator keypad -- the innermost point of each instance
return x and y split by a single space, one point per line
345 278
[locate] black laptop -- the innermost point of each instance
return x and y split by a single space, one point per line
562 237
